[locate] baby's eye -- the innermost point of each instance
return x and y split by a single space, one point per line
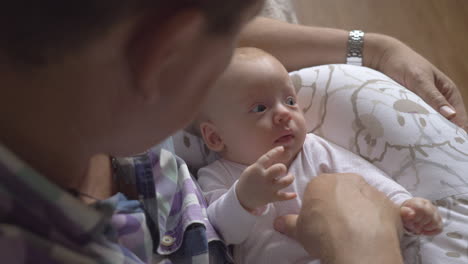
259 108
291 100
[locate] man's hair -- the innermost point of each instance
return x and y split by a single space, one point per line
33 32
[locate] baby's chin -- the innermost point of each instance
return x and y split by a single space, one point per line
289 154
294 149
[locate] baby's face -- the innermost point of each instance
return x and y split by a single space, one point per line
257 110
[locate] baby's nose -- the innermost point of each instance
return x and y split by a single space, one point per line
282 116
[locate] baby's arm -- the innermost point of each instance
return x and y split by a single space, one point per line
224 211
233 220
420 216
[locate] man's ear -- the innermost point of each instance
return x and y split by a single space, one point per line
157 43
211 136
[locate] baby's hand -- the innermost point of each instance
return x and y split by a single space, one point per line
420 216
261 183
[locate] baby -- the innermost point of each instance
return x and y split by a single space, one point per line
253 121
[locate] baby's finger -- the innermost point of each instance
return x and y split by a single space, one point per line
418 216
271 157
283 196
276 171
428 212
426 219
432 233
432 227
416 229
407 213
284 182
435 224
423 208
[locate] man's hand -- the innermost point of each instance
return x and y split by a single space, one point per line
345 220
414 72
261 183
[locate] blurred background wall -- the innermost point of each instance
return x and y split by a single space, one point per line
437 29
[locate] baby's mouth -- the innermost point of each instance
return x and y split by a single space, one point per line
284 139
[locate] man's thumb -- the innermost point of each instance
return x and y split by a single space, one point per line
286 225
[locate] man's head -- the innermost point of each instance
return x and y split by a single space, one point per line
117 76
37 32
107 76
252 109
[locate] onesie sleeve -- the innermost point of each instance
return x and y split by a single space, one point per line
336 159
225 212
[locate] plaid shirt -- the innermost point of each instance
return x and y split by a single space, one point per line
42 223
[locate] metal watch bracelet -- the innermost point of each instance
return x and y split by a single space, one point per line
355 46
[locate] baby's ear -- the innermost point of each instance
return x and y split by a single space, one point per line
211 136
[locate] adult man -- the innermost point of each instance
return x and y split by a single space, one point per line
86 77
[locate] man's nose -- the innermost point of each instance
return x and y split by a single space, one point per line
282 116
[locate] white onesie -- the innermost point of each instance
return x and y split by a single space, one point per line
254 237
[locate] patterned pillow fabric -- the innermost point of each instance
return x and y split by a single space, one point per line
371 115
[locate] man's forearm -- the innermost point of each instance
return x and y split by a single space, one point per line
298 46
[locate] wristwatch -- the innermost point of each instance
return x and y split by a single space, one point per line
355 45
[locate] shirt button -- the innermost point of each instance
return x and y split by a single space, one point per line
167 241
